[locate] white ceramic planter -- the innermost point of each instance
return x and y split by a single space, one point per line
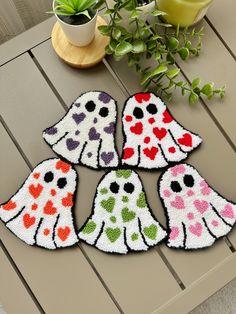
79 35
125 14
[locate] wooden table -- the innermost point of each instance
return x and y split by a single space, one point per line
36 89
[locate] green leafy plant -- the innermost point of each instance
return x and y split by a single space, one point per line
154 48
73 7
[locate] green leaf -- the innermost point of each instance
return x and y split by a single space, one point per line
108 12
139 46
134 14
193 98
184 53
99 4
173 73
208 89
157 56
158 13
172 43
116 33
104 29
123 48
195 83
159 70
85 12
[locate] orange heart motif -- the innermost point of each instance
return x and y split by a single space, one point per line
9 205
49 209
63 166
35 190
68 200
28 221
63 233
36 175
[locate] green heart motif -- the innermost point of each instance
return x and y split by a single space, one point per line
134 236
108 204
113 234
123 173
141 201
113 219
104 191
151 231
127 215
89 227
125 199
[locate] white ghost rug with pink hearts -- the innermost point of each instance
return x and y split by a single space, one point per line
40 212
197 215
153 139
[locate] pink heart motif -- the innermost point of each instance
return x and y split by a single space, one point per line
215 223
227 211
174 233
190 193
177 169
206 190
167 193
178 203
201 206
196 229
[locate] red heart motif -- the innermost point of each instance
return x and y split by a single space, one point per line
128 153
35 190
167 117
196 229
186 140
63 233
28 221
142 97
36 175
63 166
159 133
68 200
9 205
137 128
49 209
151 152
34 206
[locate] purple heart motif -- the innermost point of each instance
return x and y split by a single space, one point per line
77 132
51 131
110 129
95 120
89 154
93 134
71 144
77 104
107 157
78 117
104 97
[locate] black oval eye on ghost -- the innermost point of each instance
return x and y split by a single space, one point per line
152 108
189 180
129 187
90 106
103 112
61 183
175 186
138 113
48 177
114 187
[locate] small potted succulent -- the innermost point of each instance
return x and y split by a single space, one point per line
77 19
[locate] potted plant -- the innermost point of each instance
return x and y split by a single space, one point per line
77 19
153 49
